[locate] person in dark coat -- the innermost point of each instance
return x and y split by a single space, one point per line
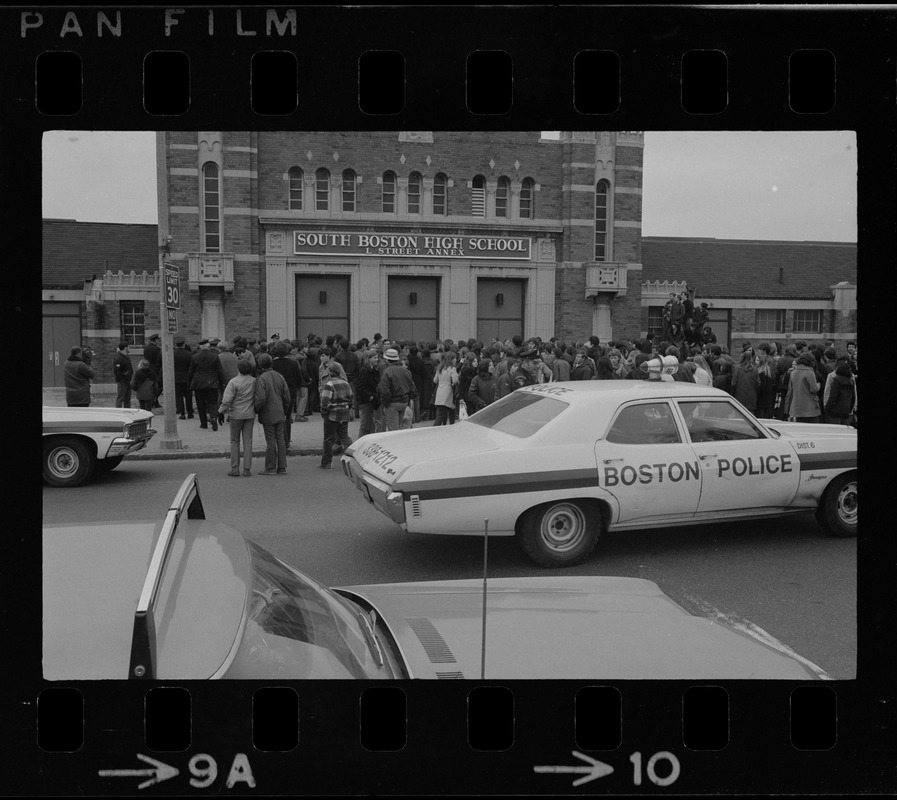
366 381
77 374
152 352
272 404
419 375
144 384
287 367
206 377
123 370
182 394
482 390
842 395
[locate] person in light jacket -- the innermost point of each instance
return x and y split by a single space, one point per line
802 400
446 379
238 402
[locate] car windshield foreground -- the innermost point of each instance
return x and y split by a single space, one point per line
189 598
558 465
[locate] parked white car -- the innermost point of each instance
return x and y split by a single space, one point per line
558 464
81 442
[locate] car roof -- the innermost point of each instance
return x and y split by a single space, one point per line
92 578
625 389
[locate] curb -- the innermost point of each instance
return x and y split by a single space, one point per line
185 453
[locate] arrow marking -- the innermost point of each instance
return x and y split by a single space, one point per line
598 769
160 772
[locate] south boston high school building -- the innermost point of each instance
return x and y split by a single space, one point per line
416 235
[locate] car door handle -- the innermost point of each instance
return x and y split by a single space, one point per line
707 456
611 460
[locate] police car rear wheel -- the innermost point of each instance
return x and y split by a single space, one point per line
559 534
67 462
837 511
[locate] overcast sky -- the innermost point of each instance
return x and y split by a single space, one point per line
722 184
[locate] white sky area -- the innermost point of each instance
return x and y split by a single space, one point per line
788 185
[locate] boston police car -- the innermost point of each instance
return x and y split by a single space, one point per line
558 464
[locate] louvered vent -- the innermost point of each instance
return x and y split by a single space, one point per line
415 506
478 202
434 645
449 676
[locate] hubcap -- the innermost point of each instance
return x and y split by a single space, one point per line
847 504
563 527
63 463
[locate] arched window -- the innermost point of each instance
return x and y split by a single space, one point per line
601 208
527 192
414 186
322 190
440 184
501 197
389 193
211 208
478 197
349 183
296 178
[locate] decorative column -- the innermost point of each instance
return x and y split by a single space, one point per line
491 186
401 195
514 211
427 199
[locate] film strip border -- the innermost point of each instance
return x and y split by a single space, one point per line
477 68
321 738
487 66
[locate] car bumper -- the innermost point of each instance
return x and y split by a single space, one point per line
121 446
377 493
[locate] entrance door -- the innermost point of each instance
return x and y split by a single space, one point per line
499 308
61 332
413 309
322 305
718 320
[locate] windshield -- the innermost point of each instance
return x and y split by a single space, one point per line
294 619
520 414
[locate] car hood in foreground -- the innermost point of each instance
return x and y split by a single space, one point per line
575 628
92 578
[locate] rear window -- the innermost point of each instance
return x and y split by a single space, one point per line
519 414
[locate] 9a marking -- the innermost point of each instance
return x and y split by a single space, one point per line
663 755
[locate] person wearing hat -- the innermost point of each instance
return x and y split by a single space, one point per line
396 390
206 377
336 401
182 394
123 370
152 352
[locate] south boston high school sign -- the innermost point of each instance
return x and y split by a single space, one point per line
421 245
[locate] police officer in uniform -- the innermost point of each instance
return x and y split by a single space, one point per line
206 377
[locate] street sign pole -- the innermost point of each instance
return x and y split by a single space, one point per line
170 439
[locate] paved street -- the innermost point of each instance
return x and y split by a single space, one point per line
783 578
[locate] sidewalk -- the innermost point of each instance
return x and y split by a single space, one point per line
306 438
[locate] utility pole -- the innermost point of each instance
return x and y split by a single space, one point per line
170 440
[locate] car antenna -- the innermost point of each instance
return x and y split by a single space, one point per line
485 564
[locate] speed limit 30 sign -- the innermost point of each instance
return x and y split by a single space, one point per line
172 286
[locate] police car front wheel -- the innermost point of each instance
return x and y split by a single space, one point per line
560 534
68 461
